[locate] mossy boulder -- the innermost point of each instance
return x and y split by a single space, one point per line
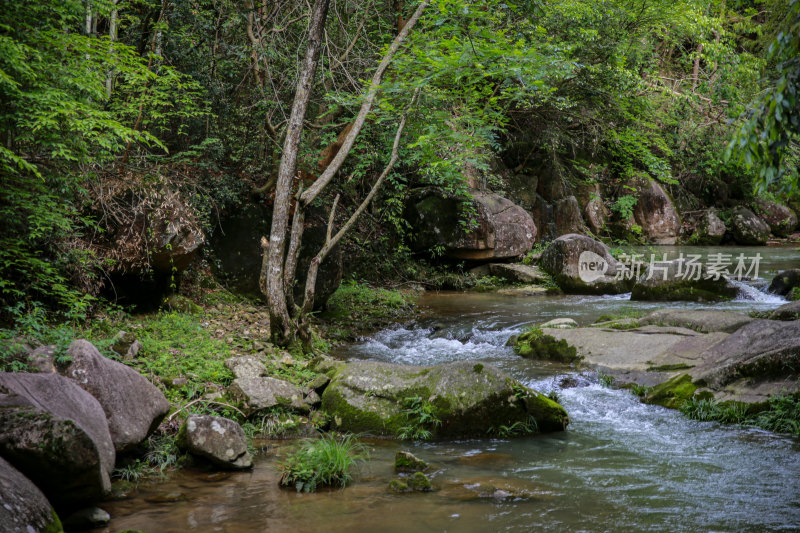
408 462
785 282
672 393
369 397
567 259
419 482
677 281
781 219
503 229
748 228
708 228
535 344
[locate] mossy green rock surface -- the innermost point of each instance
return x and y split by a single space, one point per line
672 393
367 396
420 482
534 344
408 462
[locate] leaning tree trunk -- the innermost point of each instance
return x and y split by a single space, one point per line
271 280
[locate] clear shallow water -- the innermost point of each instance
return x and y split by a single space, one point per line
621 465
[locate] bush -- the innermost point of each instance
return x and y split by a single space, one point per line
326 461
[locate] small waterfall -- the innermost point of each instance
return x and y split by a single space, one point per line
752 294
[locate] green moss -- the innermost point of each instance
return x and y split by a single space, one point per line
54 526
359 420
408 462
477 368
357 307
672 393
534 344
670 368
795 294
399 486
419 482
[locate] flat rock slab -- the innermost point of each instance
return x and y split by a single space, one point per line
638 349
517 272
703 320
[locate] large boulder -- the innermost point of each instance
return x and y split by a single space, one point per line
762 350
503 229
56 434
780 219
790 311
23 507
582 265
568 216
469 398
237 253
258 393
676 280
747 228
219 440
656 214
177 234
708 228
133 406
785 282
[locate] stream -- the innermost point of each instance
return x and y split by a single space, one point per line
620 466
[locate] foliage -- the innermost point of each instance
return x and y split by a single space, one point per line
769 136
781 413
421 418
326 461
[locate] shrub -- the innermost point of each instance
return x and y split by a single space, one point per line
326 461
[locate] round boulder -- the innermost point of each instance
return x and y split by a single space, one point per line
220 440
785 282
582 265
656 214
780 219
503 229
748 229
709 229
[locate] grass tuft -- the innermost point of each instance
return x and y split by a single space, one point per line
327 461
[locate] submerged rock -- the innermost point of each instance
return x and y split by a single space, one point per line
674 280
504 230
23 507
535 344
88 518
468 399
419 482
567 255
560 323
748 228
220 440
56 434
673 392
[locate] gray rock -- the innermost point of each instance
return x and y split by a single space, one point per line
656 214
88 518
561 259
568 216
703 320
126 345
246 367
760 350
676 282
790 311
709 229
408 462
23 507
747 228
259 393
220 440
319 383
504 230
560 323
785 281
133 406
56 434
517 272
781 219
469 398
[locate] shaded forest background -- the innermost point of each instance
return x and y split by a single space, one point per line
131 128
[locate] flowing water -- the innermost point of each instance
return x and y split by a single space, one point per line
621 465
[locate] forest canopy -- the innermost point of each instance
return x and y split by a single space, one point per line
108 109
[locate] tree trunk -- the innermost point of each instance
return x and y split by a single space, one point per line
112 36
280 322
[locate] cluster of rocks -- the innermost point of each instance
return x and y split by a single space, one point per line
63 427
684 353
